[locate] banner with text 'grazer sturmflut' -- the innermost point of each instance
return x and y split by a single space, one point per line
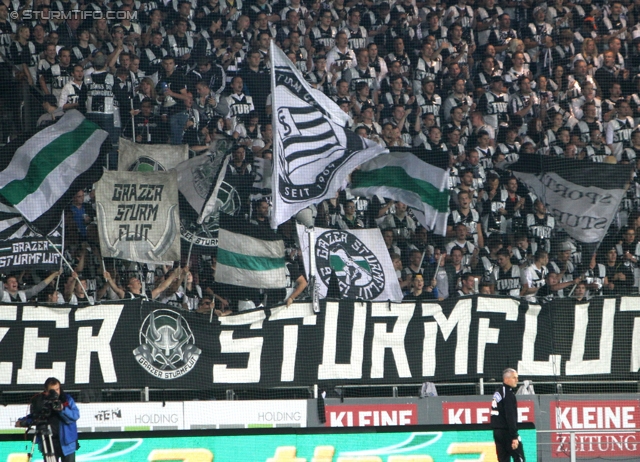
137 344
22 247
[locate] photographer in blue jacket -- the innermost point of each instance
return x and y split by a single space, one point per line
57 409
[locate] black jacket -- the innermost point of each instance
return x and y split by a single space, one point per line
504 410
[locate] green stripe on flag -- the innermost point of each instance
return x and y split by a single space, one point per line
249 262
397 177
45 161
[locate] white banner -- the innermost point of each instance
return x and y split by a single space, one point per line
359 259
138 216
263 170
137 157
130 416
176 415
245 414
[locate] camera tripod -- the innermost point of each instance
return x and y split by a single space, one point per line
45 433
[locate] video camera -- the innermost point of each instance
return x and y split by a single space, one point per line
44 404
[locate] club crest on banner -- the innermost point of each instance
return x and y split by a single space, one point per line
136 157
167 346
360 274
202 176
313 147
146 164
313 152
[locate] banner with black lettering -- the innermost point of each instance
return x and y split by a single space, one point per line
262 182
582 196
138 216
137 344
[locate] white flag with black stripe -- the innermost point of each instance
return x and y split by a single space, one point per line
314 153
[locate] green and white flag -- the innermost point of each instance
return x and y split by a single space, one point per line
249 255
51 164
404 176
359 259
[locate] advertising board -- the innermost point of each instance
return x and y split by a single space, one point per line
371 415
176 415
428 445
604 428
469 412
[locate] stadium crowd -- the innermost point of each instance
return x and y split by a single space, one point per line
483 81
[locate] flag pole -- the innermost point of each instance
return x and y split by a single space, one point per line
274 148
133 123
72 270
312 270
60 269
189 254
435 274
62 257
306 217
422 258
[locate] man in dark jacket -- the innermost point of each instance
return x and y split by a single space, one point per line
504 419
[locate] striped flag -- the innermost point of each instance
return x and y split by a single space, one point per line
313 152
12 225
52 166
249 255
582 196
405 176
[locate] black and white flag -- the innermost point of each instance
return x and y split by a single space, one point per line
314 152
358 258
583 197
203 194
23 248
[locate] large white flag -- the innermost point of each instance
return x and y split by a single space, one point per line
359 259
314 153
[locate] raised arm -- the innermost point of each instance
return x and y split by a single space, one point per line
107 277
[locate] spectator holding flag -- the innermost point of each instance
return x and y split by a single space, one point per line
10 291
134 286
419 292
